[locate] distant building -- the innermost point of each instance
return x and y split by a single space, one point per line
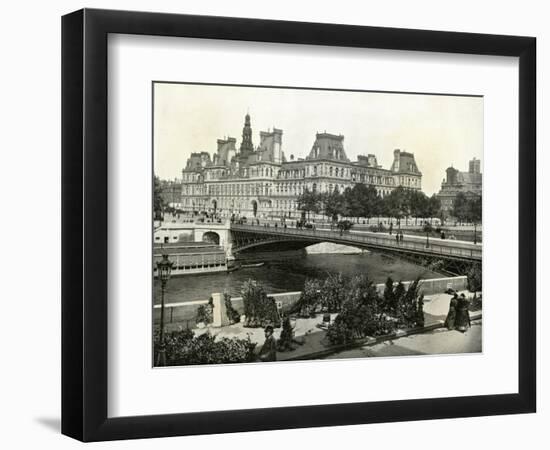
260 181
468 183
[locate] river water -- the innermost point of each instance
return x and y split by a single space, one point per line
283 274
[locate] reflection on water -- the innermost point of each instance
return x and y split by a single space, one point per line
281 274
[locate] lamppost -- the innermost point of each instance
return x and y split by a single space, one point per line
164 268
475 232
427 239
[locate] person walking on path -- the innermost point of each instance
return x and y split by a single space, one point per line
268 351
451 315
462 321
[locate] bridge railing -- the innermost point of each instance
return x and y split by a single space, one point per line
413 243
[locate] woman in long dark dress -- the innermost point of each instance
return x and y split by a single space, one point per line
451 315
462 321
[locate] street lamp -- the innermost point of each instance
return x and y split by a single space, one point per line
475 232
427 239
164 268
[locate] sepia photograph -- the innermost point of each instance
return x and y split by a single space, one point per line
293 224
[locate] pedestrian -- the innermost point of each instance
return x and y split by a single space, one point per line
391 227
451 315
401 236
268 351
396 238
462 321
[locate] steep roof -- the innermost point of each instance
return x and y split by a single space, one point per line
328 146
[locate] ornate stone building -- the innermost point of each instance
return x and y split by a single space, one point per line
469 183
260 181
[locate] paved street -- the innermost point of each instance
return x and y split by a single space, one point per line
440 341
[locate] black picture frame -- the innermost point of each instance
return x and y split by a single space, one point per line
84 224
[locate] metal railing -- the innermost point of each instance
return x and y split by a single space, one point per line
416 244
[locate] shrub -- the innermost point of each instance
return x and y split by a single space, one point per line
408 305
360 313
309 300
205 313
367 313
333 292
420 312
339 333
325 296
474 276
287 334
389 297
259 309
232 314
183 348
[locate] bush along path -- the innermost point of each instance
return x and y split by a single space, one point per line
331 315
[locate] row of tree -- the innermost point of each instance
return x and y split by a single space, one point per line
363 201
467 208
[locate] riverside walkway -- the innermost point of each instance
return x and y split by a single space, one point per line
250 236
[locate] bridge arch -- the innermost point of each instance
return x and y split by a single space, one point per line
247 237
275 244
212 237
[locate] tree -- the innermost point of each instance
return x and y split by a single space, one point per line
333 204
309 201
475 207
351 206
433 206
362 201
397 203
353 197
418 205
461 207
158 203
372 203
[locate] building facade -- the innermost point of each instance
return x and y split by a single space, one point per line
260 181
469 183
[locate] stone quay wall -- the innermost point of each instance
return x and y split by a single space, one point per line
186 312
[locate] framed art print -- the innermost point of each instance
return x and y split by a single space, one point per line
268 224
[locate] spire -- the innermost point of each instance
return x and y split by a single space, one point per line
246 144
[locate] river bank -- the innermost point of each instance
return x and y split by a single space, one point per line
281 273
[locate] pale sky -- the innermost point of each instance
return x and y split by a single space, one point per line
440 130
